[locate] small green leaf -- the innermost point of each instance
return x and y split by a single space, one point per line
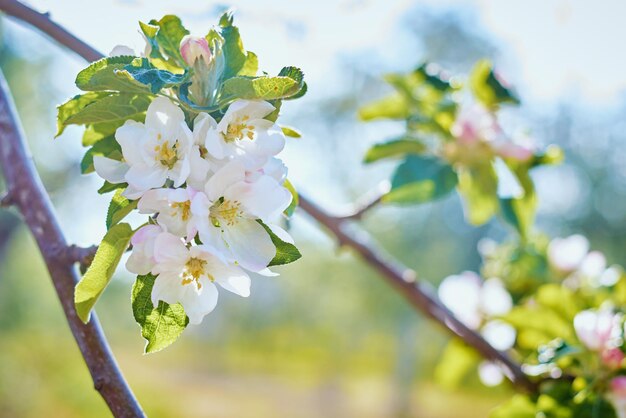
519 406
420 179
394 148
101 270
285 252
520 211
103 75
119 208
150 32
456 361
115 108
234 53
291 132
286 84
394 106
74 106
143 72
487 88
479 187
171 32
97 131
160 326
295 199
251 66
109 187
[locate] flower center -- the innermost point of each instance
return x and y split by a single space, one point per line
238 130
225 211
194 269
166 154
182 209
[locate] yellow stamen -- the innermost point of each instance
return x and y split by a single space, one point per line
194 269
227 212
238 130
183 209
166 155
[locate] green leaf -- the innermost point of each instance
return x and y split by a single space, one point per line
264 88
112 109
234 53
103 75
291 132
394 148
119 208
420 179
455 363
107 147
74 106
295 198
109 187
150 32
171 32
519 406
487 88
101 270
145 73
160 326
394 106
478 185
250 66
97 131
520 211
285 252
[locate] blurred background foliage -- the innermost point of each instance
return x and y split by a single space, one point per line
326 338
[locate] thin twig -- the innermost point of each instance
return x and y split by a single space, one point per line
399 277
365 203
32 201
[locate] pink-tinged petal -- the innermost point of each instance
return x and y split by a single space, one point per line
112 171
194 48
225 177
153 201
131 137
250 244
169 248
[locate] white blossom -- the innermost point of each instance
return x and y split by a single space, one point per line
173 207
141 259
597 329
226 214
154 152
244 134
188 276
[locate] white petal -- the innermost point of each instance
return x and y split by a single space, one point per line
199 303
250 244
225 177
131 137
490 373
264 198
169 248
566 254
255 109
232 279
494 298
461 294
281 233
168 288
499 334
142 177
163 115
112 171
121 50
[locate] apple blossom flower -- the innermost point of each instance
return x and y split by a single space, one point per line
597 329
566 254
141 259
194 48
474 123
475 303
173 207
154 152
226 214
244 134
201 159
188 276
617 395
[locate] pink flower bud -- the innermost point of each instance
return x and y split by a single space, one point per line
612 358
194 48
618 386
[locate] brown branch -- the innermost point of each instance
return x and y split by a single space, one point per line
30 198
365 203
402 279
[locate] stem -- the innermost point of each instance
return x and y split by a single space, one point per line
399 277
26 193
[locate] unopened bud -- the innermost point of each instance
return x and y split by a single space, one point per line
194 48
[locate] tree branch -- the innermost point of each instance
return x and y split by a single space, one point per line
401 278
30 198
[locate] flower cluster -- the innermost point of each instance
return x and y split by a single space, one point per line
185 133
223 179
